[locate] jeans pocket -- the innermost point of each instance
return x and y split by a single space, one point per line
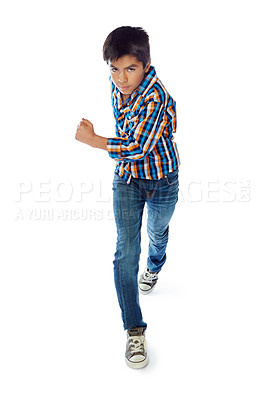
172 178
117 180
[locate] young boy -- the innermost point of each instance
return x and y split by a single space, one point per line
146 173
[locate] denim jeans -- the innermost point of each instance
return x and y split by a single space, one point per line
129 200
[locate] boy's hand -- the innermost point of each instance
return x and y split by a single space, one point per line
85 132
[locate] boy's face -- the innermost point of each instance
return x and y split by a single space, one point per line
127 73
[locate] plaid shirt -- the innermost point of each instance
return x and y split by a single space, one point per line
145 123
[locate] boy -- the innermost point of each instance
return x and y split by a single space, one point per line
146 173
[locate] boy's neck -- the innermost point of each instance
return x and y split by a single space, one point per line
125 97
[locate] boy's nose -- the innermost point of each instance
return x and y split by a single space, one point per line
122 78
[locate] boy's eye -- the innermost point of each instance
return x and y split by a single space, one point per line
131 69
113 69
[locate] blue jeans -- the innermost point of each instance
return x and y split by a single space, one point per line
128 202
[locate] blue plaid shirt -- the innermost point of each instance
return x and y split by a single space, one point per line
145 123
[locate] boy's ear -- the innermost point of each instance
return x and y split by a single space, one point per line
147 67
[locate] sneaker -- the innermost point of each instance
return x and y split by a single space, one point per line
147 281
136 354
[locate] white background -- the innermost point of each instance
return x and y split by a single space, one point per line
61 331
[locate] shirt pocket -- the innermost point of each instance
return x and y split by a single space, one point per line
132 121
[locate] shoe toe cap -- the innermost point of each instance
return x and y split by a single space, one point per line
144 286
137 358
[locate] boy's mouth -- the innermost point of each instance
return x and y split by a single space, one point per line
123 87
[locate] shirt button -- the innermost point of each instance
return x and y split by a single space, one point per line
129 117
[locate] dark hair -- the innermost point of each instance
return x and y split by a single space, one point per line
127 40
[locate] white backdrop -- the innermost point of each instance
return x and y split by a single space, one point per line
61 334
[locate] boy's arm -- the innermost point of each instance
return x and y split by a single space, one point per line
85 134
141 138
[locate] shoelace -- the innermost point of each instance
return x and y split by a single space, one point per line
136 344
149 276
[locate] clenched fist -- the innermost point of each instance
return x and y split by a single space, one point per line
85 132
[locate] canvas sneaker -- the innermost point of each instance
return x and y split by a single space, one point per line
136 353
147 281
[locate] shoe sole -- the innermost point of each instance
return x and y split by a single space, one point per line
137 365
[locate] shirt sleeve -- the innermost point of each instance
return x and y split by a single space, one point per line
141 138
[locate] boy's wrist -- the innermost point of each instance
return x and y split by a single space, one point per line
99 142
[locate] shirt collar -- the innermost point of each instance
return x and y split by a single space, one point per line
148 81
